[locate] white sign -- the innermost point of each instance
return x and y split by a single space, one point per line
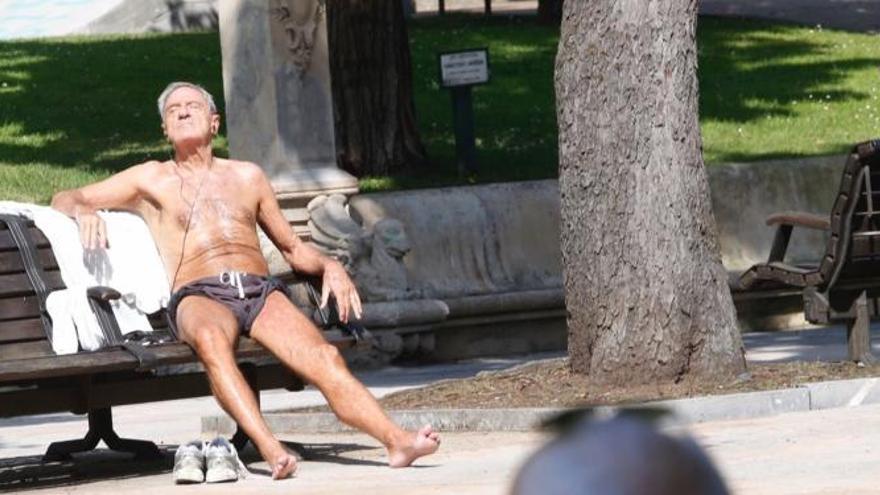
464 68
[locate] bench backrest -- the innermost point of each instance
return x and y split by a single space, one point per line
22 334
853 253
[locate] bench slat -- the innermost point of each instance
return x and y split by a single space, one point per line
20 330
22 351
17 308
18 284
117 391
88 363
6 242
10 261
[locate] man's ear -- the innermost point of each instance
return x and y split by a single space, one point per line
215 124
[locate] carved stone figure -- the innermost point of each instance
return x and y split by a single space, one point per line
374 258
304 105
300 19
279 106
383 276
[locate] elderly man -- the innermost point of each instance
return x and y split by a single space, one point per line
203 212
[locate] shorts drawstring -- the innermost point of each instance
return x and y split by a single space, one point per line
233 278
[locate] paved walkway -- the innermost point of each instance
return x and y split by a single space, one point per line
828 452
430 7
831 452
468 462
35 18
852 15
816 344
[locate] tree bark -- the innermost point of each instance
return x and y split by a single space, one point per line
550 11
647 296
373 109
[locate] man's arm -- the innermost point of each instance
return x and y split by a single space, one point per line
119 191
302 257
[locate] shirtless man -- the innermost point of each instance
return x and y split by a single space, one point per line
202 212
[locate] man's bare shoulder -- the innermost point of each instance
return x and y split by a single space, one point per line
241 165
247 170
153 179
149 170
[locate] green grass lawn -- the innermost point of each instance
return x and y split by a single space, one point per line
77 109
74 110
772 90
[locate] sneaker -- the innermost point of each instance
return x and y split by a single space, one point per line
189 463
222 462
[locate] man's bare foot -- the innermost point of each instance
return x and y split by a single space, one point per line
283 466
420 443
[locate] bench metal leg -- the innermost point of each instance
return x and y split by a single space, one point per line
858 332
240 439
101 428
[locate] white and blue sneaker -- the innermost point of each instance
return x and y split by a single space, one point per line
189 463
222 462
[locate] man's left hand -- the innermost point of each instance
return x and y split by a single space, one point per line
338 283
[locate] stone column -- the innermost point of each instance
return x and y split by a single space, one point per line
279 111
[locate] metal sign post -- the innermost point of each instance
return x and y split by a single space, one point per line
459 71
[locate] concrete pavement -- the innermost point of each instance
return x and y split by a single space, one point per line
820 452
35 18
808 344
469 462
851 15
827 452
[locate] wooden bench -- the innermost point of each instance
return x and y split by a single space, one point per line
34 380
845 284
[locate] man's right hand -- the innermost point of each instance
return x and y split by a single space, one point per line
92 230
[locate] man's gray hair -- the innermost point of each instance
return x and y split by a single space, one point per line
183 84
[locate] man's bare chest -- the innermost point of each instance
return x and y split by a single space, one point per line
220 202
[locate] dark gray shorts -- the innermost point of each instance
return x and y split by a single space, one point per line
243 293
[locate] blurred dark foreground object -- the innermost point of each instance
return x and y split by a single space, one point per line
624 455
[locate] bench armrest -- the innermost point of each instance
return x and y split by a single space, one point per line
103 293
800 219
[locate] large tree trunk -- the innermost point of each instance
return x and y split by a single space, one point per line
646 293
549 11
374 114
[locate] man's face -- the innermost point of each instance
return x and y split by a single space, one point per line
187 117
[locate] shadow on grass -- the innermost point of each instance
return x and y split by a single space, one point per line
78 102
89 103
514 114
747 74
750 70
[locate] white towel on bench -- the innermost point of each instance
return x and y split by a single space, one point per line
131 265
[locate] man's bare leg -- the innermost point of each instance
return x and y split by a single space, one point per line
295 340
212 331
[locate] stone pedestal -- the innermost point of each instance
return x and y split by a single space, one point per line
279 110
